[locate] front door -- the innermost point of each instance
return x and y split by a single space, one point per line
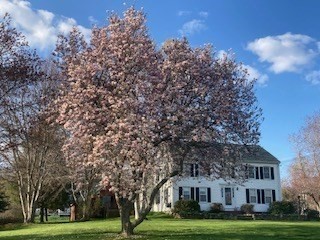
228 197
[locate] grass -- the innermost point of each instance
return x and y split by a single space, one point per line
162 227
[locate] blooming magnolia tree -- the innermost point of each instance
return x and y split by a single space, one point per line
84 175
135 110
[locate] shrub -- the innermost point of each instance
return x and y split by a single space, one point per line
312 214
247 208
3 202
186 206
216 208
282 207
13 215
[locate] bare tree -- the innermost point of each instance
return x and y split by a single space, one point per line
305 170
18 64
29 145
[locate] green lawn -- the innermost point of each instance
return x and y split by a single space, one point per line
166 228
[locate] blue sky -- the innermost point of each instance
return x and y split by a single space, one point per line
278 41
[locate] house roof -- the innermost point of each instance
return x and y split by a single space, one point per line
257 154
247 153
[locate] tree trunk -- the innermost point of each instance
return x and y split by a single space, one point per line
125 206
86 209
126 225
46 214
73 211
137 208
28 201
41 214
29 215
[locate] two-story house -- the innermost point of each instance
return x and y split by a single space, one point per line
261 187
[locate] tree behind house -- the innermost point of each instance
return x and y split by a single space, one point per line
304 178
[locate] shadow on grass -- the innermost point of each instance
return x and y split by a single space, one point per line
254 231
13 226
81 236
173 236
293 232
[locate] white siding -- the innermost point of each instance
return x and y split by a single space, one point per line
219 188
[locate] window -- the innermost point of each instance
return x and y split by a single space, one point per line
165 196
251 172
157 198
203 194
261 196
266 172
267 196
228 196
186 193
253 195
194 170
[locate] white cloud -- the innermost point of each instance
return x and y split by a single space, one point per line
203 14
287 52
192 27
313 77
255 74
40 27
221 54
92 20
183 13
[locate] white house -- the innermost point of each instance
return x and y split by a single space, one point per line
261 187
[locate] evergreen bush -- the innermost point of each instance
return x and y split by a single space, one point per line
247 208
216 208
282 207
186 206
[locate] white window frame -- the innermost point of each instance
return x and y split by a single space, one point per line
268 195
195 170
157 198
186 190
253 194
253 171
264 172
203 194
166 195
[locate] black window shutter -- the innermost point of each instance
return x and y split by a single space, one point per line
273 195
197 170
192 193
209 194
191 170
197 194
180 192
247 171
257 172
259 196
261 172
272 173
247 194
262 196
